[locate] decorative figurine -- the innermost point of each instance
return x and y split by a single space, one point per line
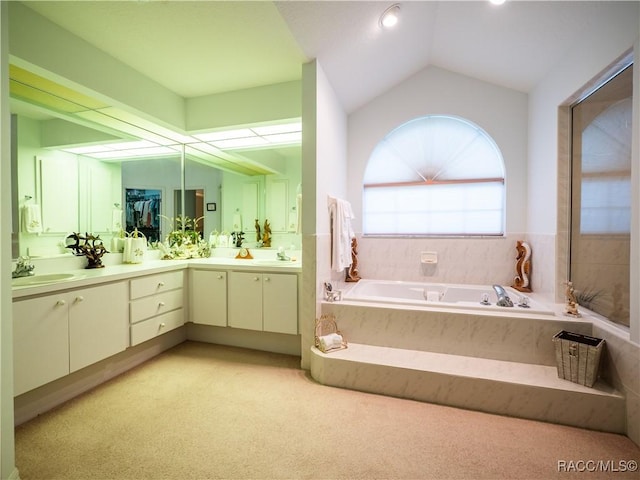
92 248
523 267
258 235
352 271
571 301
266 236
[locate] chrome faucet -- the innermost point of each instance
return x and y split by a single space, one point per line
24 268
503 298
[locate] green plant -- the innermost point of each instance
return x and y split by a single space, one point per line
184 231
183 241
588 298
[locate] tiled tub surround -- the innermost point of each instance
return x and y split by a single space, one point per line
496 362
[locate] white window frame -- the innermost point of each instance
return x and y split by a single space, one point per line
431 207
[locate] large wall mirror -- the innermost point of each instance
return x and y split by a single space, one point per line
65 184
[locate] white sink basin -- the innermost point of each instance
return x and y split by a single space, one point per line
42 279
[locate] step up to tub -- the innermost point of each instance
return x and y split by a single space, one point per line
494 386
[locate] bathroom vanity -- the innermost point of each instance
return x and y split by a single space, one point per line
102 316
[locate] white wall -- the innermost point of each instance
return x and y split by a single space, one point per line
502 113
616 33
7 444
324 172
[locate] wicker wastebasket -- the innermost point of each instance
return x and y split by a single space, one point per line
578 357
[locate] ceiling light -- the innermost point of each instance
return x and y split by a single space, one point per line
497 2
225 135
390 16
280 128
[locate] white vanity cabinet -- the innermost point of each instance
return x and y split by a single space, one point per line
208 291
60 333
156 305
263 301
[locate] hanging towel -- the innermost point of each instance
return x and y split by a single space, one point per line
116 220
340 216
31 219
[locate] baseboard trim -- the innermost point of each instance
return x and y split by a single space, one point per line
238 337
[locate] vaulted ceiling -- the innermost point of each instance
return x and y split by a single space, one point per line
196 48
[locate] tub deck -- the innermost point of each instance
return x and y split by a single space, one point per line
476 360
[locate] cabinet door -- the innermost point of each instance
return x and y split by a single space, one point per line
280 303
209 297
40 342
245 300
98 324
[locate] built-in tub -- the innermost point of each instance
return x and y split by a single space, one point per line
441 295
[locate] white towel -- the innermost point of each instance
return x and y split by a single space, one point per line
31 218
340 215
116 220
330 341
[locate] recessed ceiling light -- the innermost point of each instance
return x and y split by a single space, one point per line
390 16
497 2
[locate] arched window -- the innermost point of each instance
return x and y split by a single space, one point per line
435 175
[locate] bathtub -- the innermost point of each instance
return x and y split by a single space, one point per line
467 297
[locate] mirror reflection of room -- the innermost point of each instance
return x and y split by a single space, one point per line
142 212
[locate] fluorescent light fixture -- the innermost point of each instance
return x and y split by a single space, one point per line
135 152
497 2
234 143
293 137
225 135
390 16
254 136
87 149
275 129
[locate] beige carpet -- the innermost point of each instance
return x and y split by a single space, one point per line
202 411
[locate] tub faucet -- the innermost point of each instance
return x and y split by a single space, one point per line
503 298
24 268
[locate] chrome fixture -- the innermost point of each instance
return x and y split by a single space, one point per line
24 268
503 298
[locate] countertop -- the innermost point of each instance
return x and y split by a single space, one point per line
111 273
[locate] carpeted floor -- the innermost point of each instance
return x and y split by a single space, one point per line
202 411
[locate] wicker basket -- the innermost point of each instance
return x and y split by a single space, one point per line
578 357
326 325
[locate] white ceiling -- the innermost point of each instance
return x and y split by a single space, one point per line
203 47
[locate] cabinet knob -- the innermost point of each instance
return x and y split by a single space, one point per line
61 303
162 325
267 279
160 284
220 277
161 304
255 279
79 298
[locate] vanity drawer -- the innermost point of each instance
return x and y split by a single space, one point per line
153 305
152 284
151 328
